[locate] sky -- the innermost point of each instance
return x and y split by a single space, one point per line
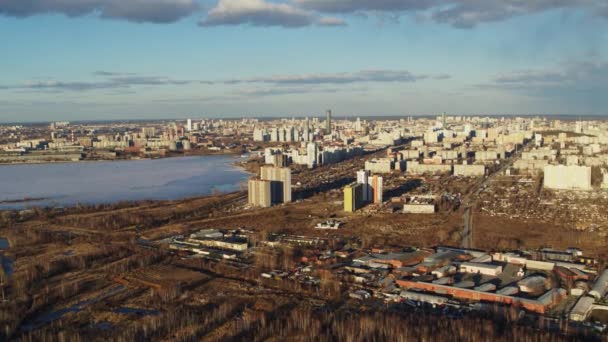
152 59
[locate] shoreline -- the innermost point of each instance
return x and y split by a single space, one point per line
118 160
27 202
189 154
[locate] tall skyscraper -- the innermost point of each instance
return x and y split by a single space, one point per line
328 122
189 125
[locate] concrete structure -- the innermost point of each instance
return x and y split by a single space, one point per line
353 197
377 189
281 182
230 244
382 165
469 170
469 294
421 297
363 179
582 309
599 289
410 154
562 177
259 193
418 208
415 168
312 153
481 268
486 155
530 166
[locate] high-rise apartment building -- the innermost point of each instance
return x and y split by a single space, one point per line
353 197
280 178
312 152
260 193
363 179
377 189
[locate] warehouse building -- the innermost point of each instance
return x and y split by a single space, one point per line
481 268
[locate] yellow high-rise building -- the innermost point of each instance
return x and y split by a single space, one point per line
353 197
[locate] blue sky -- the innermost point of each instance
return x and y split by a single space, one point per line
119 59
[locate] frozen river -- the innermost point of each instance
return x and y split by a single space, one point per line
66 184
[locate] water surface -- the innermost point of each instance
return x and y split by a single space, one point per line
65 184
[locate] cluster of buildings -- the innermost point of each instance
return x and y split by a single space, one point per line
547 282
555 283
311 154
65 141
211 243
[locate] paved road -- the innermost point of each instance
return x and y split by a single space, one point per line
470 201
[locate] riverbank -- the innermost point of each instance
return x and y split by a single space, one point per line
191 153
64 185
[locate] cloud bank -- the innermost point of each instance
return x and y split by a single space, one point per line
153 11
116 80
299 13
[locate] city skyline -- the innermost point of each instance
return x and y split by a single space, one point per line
108 59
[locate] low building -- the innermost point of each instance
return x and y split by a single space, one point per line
600 288
582 309
232 244
419 205
481 268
